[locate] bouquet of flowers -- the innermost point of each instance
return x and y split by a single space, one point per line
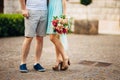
61 24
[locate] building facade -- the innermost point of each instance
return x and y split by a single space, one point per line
9 6
107 12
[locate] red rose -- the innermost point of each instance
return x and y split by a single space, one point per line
58 30
64 30
55 22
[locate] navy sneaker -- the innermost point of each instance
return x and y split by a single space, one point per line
38 67
23 68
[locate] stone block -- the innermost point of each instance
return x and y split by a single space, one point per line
74 0
98 3
109 27
93 17
111 3
93 10
86 27
11 6
118 3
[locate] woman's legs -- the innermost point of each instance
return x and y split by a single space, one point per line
58 57
59 48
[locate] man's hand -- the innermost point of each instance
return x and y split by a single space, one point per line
25 13
23 7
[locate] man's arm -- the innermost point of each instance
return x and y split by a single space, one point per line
23 7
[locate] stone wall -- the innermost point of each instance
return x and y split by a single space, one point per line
99 9
11 6
107 12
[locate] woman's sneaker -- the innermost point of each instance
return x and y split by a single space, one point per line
39 68
23 68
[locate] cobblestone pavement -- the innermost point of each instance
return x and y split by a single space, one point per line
93 57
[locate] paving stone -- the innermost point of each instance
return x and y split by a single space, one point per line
93 57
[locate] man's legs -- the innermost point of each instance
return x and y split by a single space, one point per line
34 26
25 49
25 52
39 46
